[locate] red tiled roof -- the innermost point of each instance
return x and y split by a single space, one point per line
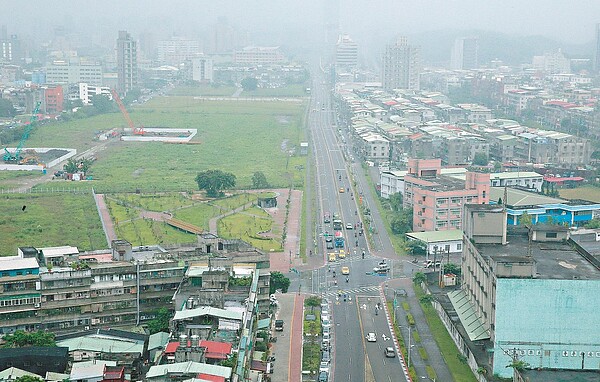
172 347
563 104
216 350
211 378
390 103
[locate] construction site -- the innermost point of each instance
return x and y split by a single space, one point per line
39 159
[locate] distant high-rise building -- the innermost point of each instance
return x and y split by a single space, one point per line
10 49
465 53
127 68
401 65
177 50
202 69
346 52
597 56
553 62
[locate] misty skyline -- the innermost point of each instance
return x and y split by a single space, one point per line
558 19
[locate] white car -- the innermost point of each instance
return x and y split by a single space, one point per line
371 337
324 366
349 226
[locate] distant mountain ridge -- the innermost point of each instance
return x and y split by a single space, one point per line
511 49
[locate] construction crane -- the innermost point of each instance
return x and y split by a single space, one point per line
16 156
136 130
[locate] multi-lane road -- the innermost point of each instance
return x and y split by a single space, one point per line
353 299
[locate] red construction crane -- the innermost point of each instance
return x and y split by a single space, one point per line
136 130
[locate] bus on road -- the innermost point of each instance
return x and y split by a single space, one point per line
337 225
339 240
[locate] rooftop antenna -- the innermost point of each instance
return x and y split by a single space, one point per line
505 197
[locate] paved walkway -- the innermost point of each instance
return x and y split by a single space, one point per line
288 348
107 223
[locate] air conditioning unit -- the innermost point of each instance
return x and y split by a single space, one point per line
37 305
87 327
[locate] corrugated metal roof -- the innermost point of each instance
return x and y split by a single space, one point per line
437 236
10 263
207 311
192 368
474 326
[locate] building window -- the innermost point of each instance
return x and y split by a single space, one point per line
459 247
551 235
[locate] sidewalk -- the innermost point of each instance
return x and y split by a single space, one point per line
288 348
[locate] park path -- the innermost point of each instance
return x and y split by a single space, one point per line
214 222
107 223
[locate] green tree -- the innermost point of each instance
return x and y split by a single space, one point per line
419 278
259 180
480 159
401 223
102 104
249 83
452 268
497 166
7 109
28 378
21 338
518 365
279 281
131 96
312 302
161 322
526 219
416 248
79 165
213 181
593 224
396 201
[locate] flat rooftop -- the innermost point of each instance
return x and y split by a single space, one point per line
554 260
561 375
521 198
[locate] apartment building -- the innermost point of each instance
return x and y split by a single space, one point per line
258 55
401 65
62 291
127 63
346 53
538 273
177 50
88 91
437 200
72 72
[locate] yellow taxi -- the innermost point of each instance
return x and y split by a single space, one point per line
342 254
332 257
342 190
345 270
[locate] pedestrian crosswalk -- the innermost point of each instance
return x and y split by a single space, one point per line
367 290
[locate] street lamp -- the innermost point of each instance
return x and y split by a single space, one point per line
409 344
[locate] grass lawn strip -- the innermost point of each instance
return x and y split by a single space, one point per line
396 240
411 370
459 370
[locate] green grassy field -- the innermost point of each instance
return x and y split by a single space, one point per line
288 91
7 175
49 220
590 193
246 225
241 137
203 90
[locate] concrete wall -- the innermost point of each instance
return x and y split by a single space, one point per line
157 138
549 323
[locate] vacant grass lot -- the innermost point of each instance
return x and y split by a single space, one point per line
240 137
203 90
49 220
4 175
288 91
590 193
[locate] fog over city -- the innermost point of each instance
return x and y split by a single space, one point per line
300 23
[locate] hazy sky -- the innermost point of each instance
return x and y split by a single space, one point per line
566 20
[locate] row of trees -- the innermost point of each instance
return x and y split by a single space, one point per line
215 181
